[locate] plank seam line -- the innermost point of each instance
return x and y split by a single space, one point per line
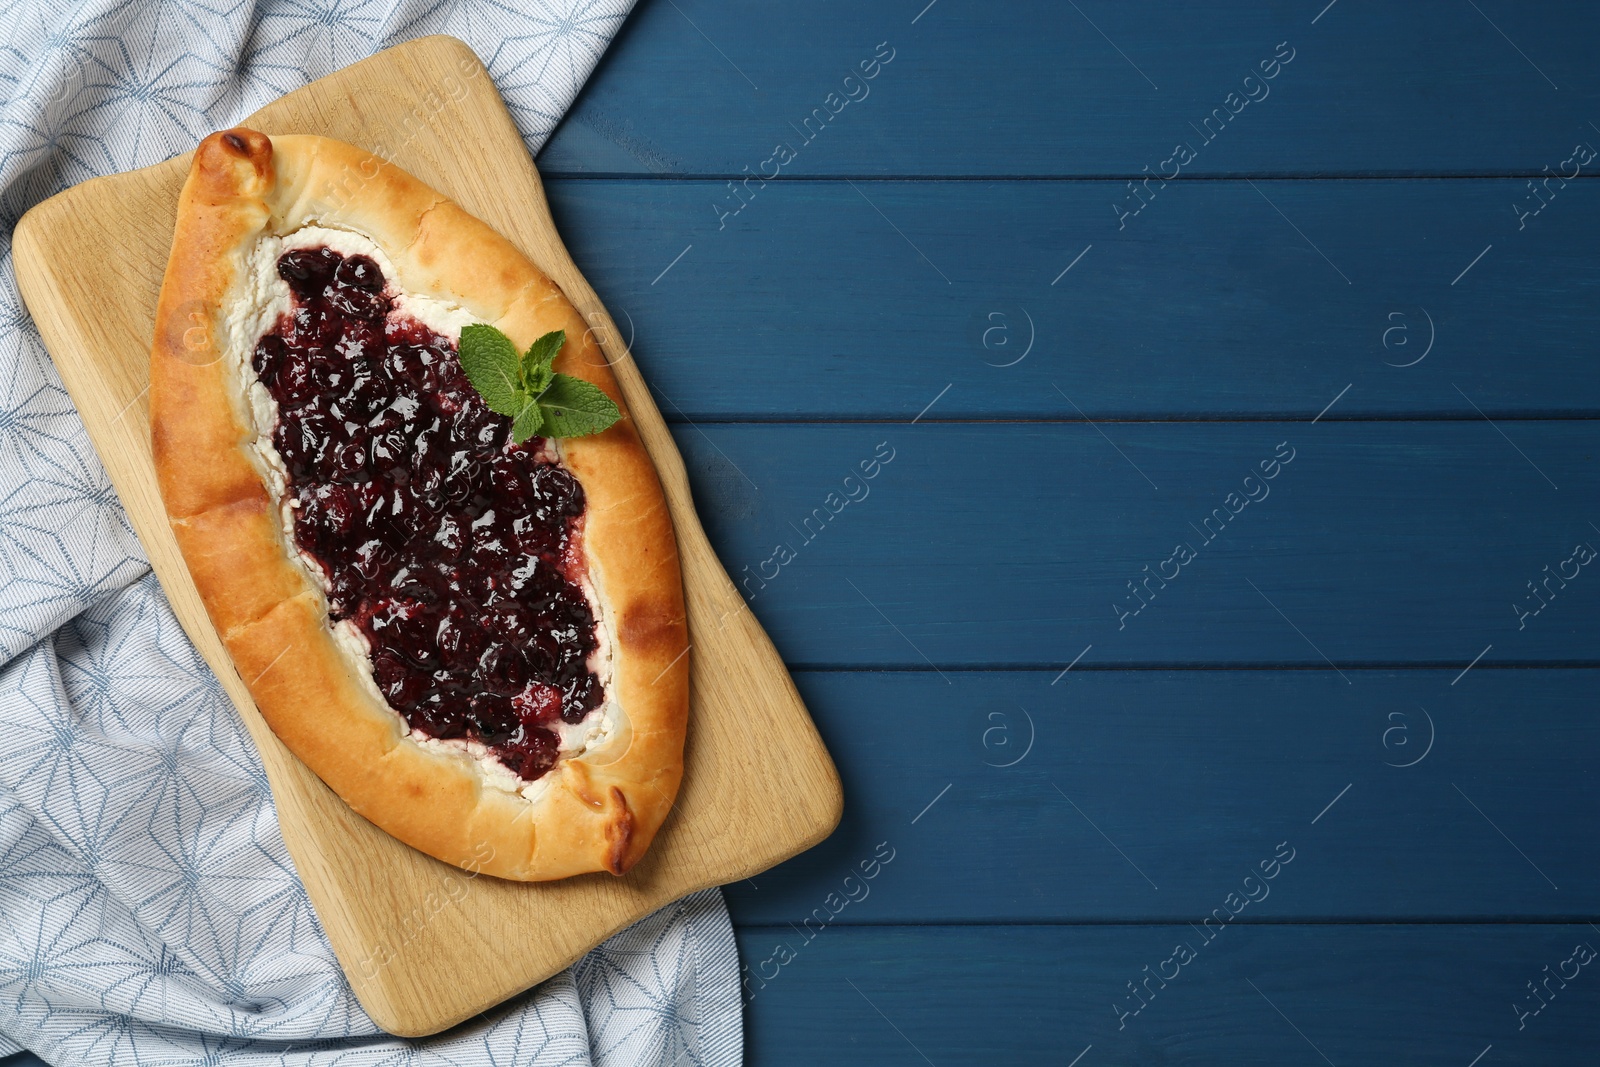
756 419
954 179
1173 922
1440 666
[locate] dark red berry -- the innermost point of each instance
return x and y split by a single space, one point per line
308 270
359 272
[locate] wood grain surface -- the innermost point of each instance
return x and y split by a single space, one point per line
1207 305
1396 544
1192 774
423 944
1263 993
1427 88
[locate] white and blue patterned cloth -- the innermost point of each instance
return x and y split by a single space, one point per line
149 913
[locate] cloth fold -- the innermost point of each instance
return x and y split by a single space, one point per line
149 911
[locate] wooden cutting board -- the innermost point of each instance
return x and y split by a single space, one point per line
423 944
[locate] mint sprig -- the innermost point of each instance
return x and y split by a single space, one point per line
491 363
528 390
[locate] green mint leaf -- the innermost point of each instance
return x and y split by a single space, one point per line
571 407
536 381
490 360
528 422
539 359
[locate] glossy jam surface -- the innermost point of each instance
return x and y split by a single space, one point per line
451 549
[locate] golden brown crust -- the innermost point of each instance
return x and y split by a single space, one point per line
598 811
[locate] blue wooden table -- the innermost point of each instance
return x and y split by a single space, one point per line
1162 445
1210 656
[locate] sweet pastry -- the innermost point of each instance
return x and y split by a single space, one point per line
479 644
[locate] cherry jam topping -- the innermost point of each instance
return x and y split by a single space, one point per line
445 544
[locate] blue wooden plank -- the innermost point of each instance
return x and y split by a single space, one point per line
1020 545
1218 299
1137 796
1340 994
712 86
